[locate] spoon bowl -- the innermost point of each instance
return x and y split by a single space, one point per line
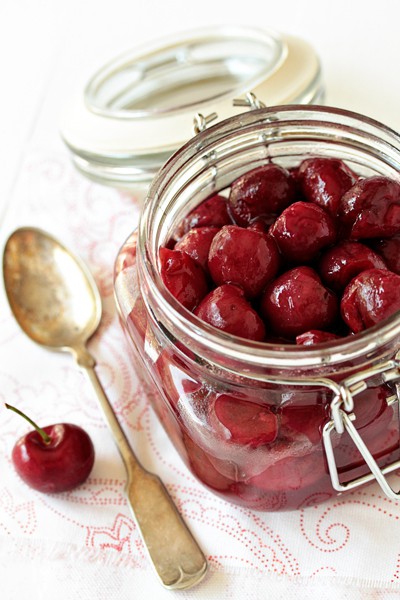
51 293
56 302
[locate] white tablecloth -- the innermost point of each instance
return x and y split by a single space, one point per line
84 544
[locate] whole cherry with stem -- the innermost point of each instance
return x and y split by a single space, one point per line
55 458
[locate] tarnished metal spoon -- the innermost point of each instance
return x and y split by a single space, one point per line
57 304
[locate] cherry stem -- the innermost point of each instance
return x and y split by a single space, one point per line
45 437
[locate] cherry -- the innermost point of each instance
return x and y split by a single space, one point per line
56 458
341 263
183 277
290 472
262 225
324 181
260 193
248 423
226 308
202 465
244 257
370 406
302 230
371 209
369 298
303 420
297 302
389 249
196 243
212 212
314 336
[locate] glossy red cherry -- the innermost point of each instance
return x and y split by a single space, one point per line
314 336
244 257
248 423
212 212
371 209
227 309
196 243
340 264
297 302
302 230
183 277
323 181
369 298
389 249
260 193
56 458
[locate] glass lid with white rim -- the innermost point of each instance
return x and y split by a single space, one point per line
142 106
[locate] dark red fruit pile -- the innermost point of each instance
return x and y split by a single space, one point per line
303 256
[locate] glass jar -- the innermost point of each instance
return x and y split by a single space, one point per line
138 109
335 405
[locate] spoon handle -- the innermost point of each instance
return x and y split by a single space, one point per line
175 554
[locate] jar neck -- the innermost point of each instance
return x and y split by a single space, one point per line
209 163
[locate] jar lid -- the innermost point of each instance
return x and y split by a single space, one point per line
139 108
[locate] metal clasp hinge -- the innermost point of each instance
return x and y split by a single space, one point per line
342 419
250 100
200 122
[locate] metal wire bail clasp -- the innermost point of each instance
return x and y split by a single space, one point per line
342 419
200 122
250 100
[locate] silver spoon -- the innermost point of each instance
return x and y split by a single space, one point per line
57 304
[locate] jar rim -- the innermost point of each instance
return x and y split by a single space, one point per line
182 321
